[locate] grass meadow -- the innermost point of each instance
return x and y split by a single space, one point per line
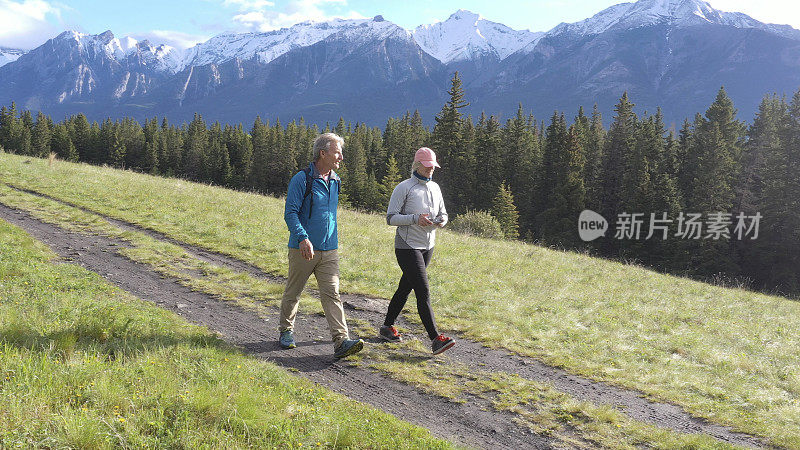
84 365
538 406
728 355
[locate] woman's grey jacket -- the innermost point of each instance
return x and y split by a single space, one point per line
411 198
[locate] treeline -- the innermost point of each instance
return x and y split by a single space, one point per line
536 177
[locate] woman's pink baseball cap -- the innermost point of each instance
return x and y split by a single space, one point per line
426 156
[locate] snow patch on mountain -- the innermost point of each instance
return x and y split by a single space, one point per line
8 55
466 35
270 45
672 12
161 57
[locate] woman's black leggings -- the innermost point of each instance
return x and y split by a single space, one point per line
414 265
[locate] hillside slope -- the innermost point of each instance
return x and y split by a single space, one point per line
84 364
725 354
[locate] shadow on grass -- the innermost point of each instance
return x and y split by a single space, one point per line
114 344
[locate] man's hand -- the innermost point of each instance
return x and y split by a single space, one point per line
423 220
307 250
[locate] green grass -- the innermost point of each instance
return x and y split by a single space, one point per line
166 258
725 354
539 407
84 365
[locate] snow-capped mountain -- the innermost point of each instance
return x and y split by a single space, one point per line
466 35
159 57
77 67
8 55
268 46
678 13
672 54
669 53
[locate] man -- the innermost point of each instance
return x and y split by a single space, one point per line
310 214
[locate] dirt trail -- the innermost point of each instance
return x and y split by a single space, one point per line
473 423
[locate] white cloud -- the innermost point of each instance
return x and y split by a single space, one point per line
249 5
175 39
24 24
259 18
779 12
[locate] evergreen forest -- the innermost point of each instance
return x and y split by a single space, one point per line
717 199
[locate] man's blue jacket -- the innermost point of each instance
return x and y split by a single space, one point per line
320 227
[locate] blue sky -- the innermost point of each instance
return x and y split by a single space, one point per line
29 23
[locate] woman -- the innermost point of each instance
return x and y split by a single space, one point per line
417 209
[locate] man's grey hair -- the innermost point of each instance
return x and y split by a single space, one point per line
324 141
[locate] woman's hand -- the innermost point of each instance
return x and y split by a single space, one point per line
423 220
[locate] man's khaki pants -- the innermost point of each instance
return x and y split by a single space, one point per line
325 267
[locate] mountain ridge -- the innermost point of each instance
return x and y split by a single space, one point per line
575 64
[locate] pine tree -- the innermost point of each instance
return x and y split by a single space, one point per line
174 150
764 139
566 194
419 136
265 173
790 278
506 213
551 174
449 146
152 140
392 139
219 168
132 138
763 169
489 164
41 136
81 132
288 156
666 254
593 149
389 182
777 249
372 194
716 150
342 128
8 119
151 158
652 189
116 156
195 149
521 163
62 144
24 135
355 185
619 145
468 164
637 183
241 154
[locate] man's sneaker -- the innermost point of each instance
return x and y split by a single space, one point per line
441 343
287 339
389 333
348 347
